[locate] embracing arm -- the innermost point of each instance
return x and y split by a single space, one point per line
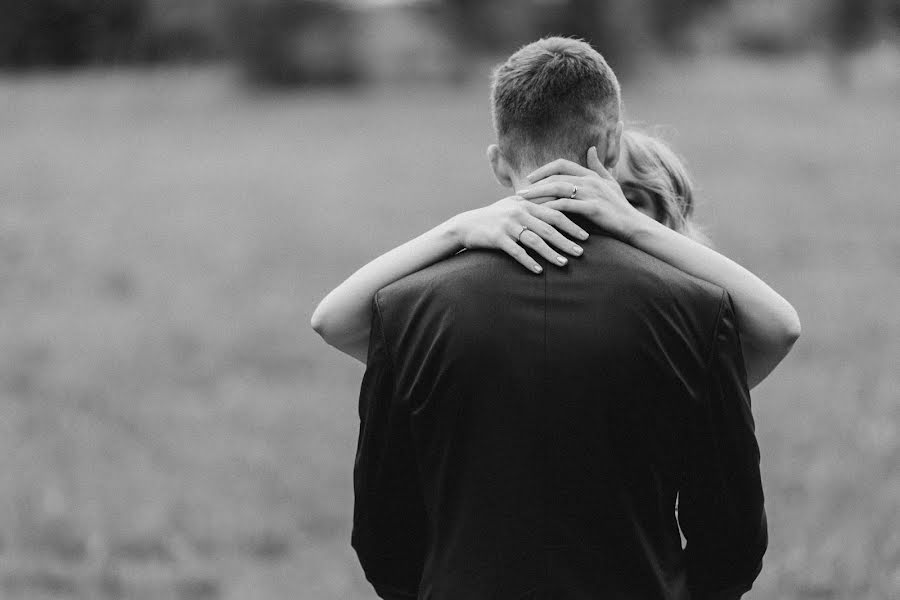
343 317
768 323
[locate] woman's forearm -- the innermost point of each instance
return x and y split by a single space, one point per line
343 317
768 323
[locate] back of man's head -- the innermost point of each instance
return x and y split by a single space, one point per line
555 98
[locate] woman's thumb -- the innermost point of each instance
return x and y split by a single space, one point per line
594 163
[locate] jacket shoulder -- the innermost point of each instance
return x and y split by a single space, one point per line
663 292
450 277
636 267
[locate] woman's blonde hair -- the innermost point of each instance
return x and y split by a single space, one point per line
661 173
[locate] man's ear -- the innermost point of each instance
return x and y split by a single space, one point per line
499 165
613 145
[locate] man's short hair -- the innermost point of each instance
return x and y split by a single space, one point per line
552 99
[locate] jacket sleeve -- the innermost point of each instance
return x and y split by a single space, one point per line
721 504
389 525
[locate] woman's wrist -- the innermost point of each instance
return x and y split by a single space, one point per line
637 227
452 231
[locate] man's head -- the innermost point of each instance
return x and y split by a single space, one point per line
554 98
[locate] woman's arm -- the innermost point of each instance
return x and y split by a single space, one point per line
342 318
768 323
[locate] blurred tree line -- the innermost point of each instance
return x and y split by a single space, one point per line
290 41
63 33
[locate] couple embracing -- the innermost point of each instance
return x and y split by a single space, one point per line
556 398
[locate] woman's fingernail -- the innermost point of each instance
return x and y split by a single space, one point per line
521 192
561 260
577 249
530 176
537 268
583 234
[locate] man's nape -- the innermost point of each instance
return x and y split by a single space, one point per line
514 157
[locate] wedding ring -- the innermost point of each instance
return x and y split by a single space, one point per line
574 191
519 237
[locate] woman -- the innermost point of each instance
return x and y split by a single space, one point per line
655 181
648 205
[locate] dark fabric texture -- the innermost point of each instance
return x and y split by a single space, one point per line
526 436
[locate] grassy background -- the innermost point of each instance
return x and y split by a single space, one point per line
170 427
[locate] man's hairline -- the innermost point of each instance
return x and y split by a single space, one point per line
603 129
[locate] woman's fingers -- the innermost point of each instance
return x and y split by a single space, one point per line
573 179
549 234
540 199
530 238
558 188
596 165
562 166
559 166
579 207
509 245
557 220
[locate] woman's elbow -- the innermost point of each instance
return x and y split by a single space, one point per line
320 324
791 330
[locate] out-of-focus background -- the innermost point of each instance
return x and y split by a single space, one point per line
181 182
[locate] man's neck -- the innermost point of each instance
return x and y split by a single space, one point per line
519 182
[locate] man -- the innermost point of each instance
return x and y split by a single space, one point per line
527 437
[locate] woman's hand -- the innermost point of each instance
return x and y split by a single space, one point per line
513 224
597 195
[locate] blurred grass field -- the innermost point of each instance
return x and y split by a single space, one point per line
172 428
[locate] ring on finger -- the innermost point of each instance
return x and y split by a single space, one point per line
574 191
519 237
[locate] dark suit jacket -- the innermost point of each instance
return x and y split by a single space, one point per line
526 436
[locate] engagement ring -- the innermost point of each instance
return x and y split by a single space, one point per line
519 237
